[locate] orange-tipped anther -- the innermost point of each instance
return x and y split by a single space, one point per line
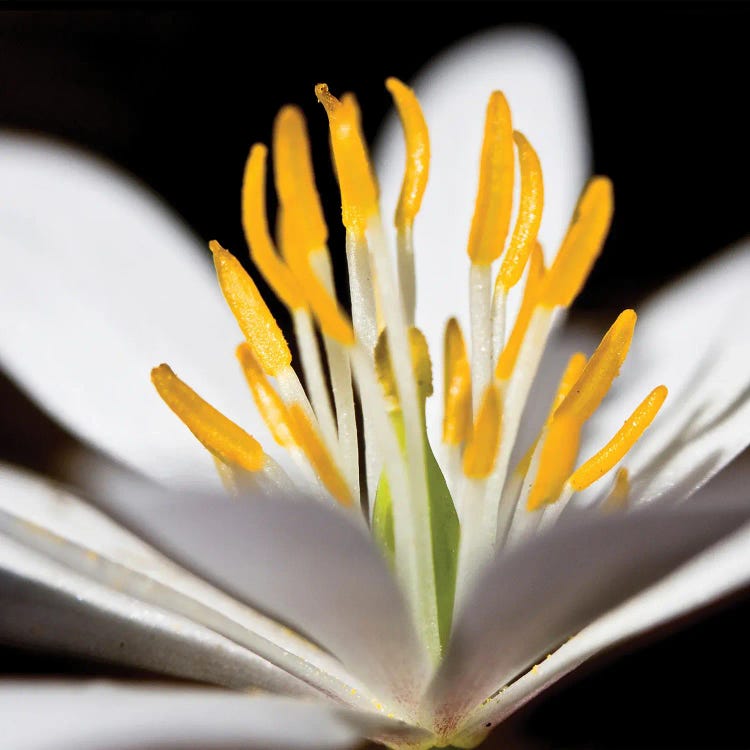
529 214
582 244
255 225
228 442
457 386
489 226
251 312
623 440
417 152
359 192
484 443
620 492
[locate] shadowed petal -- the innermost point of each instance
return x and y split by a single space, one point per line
37 715
533 598
693 338
47 606
717 572
304 563
103 282
539 77
55 523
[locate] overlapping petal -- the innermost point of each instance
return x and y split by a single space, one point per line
101 281
93 715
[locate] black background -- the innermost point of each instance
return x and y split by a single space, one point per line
177 93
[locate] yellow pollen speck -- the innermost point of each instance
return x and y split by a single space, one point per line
251 312
223 438
457 417
417 151
359 192
489 226
484 444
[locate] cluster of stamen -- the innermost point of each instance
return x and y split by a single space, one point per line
436 525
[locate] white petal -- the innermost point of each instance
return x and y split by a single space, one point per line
692 337
539 76
47 606
308 565
46 519
715 573
100 283
533 598
36 715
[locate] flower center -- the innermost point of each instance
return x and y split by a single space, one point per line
437 524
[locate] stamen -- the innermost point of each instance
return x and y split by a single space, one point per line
529 214
582 244
507 359
252 314
603 367
417 152
412 187
303 224
457 421
623 440
489 226
563 434
255 225
482 448
312 446
291 427
223 438
359 192
421 365
618 495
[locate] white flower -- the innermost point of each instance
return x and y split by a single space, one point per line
290 595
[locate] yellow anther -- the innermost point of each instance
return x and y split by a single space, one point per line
305 226
529 214
417 151
308 439
457 386
484 443
420 360
569 377
489 226
227 441
582 244
270 406
559 451
507 359
620 492
624 439
251 312
255 225
603 367
359 192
